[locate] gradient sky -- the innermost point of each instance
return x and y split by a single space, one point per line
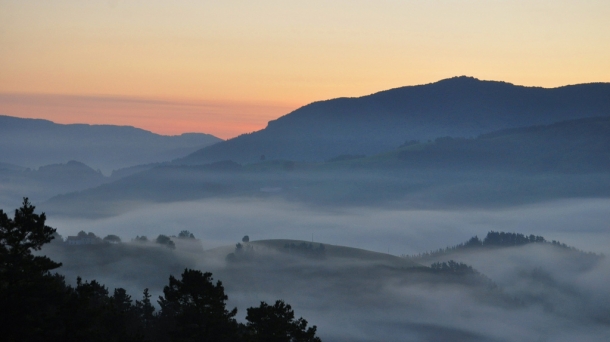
228 67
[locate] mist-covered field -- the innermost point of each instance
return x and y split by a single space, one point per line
581 222
532 292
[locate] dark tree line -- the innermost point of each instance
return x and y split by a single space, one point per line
453 267
36 305
510 239
493 239
501 240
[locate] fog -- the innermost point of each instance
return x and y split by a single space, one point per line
543 292
583 223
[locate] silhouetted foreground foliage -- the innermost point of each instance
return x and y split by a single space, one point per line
36 305
276 323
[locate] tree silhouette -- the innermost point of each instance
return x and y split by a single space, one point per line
185 234
29 294
276 323
146 310
165 241
194 308
18 238
142 238
112 239
38 306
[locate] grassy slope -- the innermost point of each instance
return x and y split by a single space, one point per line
342 252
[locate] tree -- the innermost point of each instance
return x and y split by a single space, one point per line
452 267
18 238
142 238
121 300
38 306
185 234
276 323
146 310
165 241
245 239
90 237
29 294
194 309
123 319
90 313
112 239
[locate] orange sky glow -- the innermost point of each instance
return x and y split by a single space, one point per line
229 67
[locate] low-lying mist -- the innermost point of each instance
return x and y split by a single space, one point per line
528 293
582 223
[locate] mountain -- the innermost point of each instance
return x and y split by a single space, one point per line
47 181
507 167
10 167
34 142
575 146
458 107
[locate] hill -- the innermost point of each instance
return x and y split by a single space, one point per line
354 292
574 146
46 181
34 142
458 107
509 167
330 252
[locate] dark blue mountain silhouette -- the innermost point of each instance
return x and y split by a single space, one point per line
34 142
513 166
458 107
574 146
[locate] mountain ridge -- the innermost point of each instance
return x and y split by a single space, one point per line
508 167
36 142
371 124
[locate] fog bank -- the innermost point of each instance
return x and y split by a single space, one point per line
582 223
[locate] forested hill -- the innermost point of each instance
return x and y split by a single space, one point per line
34 142
563 160
459 107
575 146
501 240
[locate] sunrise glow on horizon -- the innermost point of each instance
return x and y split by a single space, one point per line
227 68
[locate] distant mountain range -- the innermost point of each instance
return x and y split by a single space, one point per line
456 107
46 181
33 143
506 167
456 142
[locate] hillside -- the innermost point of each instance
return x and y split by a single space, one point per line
509 167
458 107
332 253
46 181
574 146
349 291
34 142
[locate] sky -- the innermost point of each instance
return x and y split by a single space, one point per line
228 67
